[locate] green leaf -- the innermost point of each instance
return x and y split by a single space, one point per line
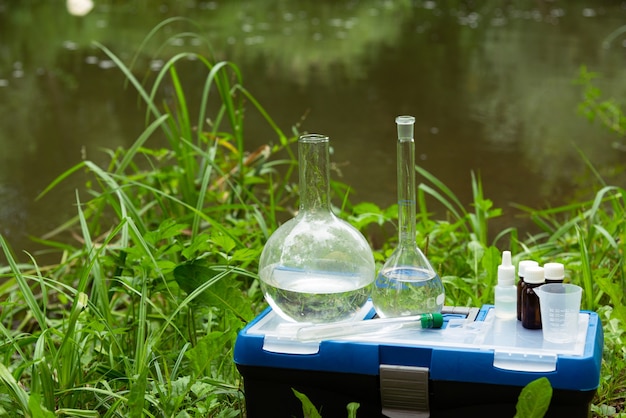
490 261
308 409
190 276
72 412
200 244
352 408
15 390
246 254
366 207
534 400
167 229
137 394
36 409
476 251
166 265
391 212
217 291
224 242
179 389
206 350
226 295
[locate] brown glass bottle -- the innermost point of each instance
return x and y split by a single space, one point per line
531 312
521 267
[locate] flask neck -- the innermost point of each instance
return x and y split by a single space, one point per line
314 170
406 191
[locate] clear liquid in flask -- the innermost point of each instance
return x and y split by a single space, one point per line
402 291
315 296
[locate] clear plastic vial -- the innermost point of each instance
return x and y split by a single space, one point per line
407 284
506 291
316 267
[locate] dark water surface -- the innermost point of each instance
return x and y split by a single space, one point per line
491 88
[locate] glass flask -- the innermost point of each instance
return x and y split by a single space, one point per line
316 267
407 284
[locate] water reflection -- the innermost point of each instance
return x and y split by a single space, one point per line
491 87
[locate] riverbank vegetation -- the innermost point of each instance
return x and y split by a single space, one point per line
156 273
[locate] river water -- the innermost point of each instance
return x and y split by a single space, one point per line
491 86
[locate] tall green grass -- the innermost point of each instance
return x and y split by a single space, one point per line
139 316
157 271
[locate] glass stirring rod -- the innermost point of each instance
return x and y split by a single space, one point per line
348 329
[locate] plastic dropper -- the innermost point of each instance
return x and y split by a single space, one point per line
348 329
506 291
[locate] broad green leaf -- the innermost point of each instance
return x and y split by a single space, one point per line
207 349
308 409
391 212
178 390
220 290
36 409
366 207
227 296
534 400
246 254
199 245
167 229
201 389
166 265
224 242
190 276
352 408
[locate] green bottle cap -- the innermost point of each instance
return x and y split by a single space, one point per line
432 320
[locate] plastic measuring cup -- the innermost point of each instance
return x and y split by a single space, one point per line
560 306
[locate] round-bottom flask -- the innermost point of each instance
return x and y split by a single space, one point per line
316 267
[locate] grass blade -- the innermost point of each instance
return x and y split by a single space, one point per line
19 394
27 293
587 276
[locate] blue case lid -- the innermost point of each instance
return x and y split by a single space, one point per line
484 350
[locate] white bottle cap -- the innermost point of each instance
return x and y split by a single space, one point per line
405 126
534 274
554 271
506 270
521 267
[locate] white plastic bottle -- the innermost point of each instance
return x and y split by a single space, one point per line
554 272
506 291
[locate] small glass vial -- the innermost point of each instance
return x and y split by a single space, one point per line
505 291
554 272
521 267
531 313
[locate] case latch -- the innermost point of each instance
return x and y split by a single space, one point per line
404 391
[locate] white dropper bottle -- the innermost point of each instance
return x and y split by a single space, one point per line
506 291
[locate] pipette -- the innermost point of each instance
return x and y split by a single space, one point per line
348 329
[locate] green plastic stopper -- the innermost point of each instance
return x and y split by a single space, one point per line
432 320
